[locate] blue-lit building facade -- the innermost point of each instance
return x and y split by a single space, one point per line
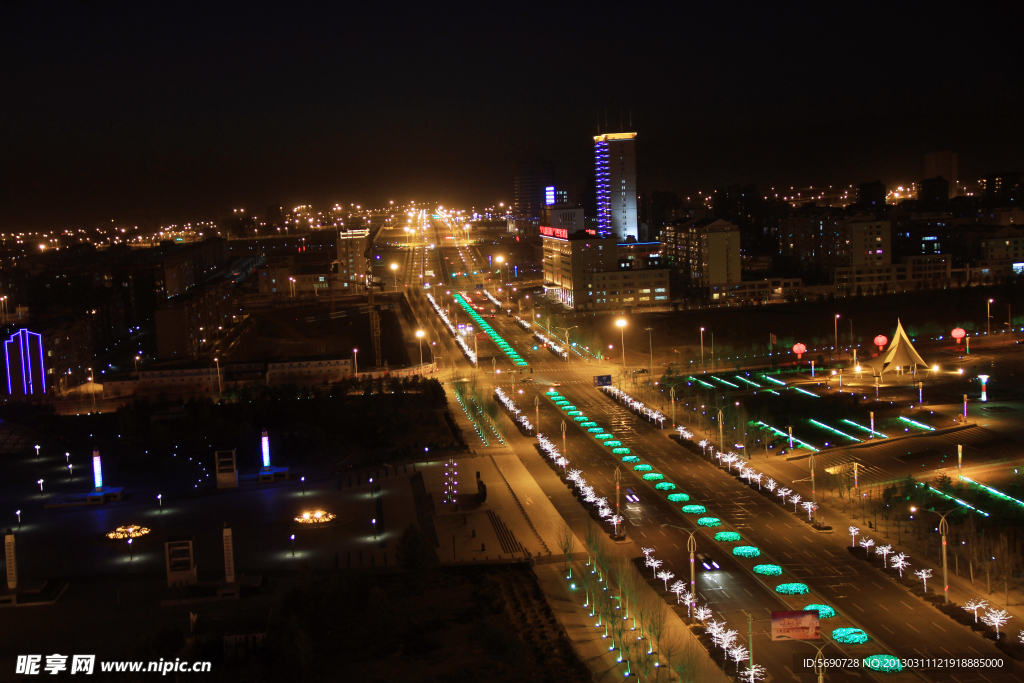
615 170
25 365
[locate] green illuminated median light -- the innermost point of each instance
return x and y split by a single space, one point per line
768 569
580 418
588 424
792 589
804 391
727 536
595 430
883 663
849 636
994 492
678 497
747 551
835 431
665 486
824 611
613 443
642 468
568 408
914 423
631 458
709 521
603 436
866 429
653 476
722 381
620 451
694 509
575 413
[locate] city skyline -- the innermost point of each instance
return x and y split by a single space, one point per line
135 115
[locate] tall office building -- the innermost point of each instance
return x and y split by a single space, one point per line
615 161
942 164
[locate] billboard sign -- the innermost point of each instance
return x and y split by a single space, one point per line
560 233
801 625
602 380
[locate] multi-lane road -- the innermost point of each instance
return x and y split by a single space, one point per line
897 622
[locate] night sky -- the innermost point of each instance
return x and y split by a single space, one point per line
175 111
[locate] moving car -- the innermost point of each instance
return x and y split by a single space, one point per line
707 562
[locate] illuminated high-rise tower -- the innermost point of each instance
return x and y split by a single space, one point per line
615 162
24 361
265 443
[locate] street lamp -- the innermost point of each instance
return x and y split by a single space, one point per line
944 530
621 322
160 501
37 452
40 482
988 319
137 364
499 260
419 336
703 367
355 362
394 270
220 387
837 333
293 545
691 546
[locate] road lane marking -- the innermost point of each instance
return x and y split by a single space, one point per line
887 628
906 605
911 627
883 607
938 627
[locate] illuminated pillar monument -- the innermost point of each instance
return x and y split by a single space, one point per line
100 493
229 555
269 474
97 470
11 558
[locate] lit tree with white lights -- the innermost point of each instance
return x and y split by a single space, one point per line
680 589
704 445
1021 636
728 639
702 613
810 507
924 575
654 564
739 653
884 551
757 477
665 575
753 673
647 552
866 543
783 492
729 459
901 562
996 618
795 500
975 604
771 484
853 536
616 520
740 464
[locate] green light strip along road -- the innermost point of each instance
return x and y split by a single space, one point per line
866 429
779 432
804 391
694 379
833 429
917 424
719 379
744 379
773 380
495 337
956 500
995 492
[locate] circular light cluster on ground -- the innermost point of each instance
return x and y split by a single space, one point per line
824 611
746 551
642 468
315 517
709 521
849 636
694 509
884 663
792 589
768 569
727 536
130 531
614 443
653 476
620 451
665 486
678 497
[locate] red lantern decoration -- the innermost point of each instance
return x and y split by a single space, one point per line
799 350
958 334
880 341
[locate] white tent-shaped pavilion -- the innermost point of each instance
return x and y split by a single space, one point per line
900 354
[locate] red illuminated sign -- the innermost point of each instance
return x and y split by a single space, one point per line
560 233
